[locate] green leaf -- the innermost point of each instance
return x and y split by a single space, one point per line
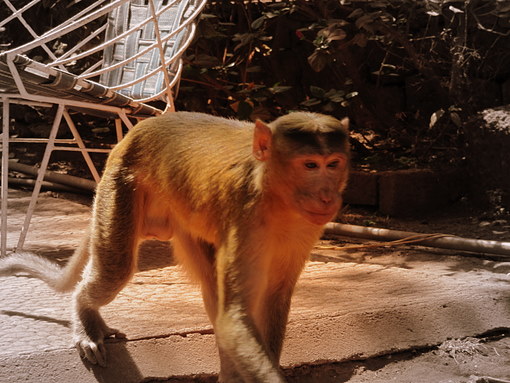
317 92
209 31
244 39
311 102
257 23
436 116
335 95
365 20
318 60
100 130
336 34
356 13
330 93
271 15
360 39
455 10
207 61
329 108
456 119
279 89
208 16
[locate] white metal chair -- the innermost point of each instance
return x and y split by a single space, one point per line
128 54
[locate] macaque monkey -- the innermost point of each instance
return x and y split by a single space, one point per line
243 203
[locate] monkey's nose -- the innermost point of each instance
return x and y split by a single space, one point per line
325 196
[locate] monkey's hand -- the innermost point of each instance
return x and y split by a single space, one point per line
90 344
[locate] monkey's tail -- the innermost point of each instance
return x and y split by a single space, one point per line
61 279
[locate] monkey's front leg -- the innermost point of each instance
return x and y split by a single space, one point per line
89 329
236 332
237 337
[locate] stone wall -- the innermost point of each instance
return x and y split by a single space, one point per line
488 157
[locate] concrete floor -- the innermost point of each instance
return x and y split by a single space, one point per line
348 305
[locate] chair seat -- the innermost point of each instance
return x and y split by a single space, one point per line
49 82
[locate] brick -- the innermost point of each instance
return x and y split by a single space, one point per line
417 191
505 90
362 189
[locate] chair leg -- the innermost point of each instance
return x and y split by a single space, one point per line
118 129
125 120
81 145
5 173
40 175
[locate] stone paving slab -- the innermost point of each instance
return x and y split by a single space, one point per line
329 322
347 305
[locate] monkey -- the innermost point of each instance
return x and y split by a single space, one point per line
243 204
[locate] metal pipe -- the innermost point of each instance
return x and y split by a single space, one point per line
76 182
46 185
448 242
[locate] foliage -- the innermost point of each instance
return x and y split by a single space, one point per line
408 73
403 71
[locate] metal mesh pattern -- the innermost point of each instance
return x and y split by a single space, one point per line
102 57
139 53
132 48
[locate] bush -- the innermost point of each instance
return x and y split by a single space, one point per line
406 72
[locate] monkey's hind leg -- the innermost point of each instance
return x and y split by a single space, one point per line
113 250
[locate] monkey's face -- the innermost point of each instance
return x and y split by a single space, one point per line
306 159
316 183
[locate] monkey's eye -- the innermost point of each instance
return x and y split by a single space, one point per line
311 165
333 164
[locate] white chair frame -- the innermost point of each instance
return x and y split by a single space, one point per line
135 58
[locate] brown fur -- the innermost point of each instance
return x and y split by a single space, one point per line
243 203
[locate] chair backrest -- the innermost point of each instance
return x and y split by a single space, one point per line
135 62
122 45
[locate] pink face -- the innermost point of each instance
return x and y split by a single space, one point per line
309 169
317 182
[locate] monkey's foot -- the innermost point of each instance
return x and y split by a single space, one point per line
114 333
94 350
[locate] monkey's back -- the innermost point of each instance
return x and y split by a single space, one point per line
200 158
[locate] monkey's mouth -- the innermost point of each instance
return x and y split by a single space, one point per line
319 218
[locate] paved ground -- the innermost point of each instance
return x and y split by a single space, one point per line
348 306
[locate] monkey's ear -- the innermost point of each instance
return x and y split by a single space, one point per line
345 122
262 141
